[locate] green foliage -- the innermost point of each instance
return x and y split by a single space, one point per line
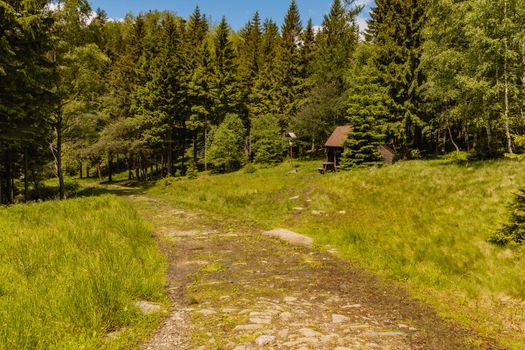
249 168
225 88
323 109
226 151
71 271
192 172
397 59
519 146
368 103
290 81
268 145
513 232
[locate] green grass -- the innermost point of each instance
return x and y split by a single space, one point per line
70 273
424 224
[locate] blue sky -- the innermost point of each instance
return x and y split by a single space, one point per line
237 12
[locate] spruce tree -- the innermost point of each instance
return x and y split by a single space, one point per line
224 86
291 82
199 82
395 29
323 106
249 61
368 103
513 232
266 94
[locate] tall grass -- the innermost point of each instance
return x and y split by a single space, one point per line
70 272
424 223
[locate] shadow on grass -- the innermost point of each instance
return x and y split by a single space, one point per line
118 188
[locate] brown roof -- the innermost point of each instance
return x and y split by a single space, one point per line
339 136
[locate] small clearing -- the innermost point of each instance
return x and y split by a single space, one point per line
240 289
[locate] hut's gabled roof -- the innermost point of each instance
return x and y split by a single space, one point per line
339 136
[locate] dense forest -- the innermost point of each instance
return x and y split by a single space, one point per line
161 95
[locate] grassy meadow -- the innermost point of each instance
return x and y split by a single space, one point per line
424 224
71 271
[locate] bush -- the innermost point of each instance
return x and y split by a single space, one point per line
250 168
192 172
513 232
168 181
227 148
268 145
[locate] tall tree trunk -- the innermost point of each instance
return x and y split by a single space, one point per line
183 153
81 168
60 174
26 180
110 168
452 140
506 76
170 152
163 171
9 183
99 171
195 133
206 143
2 201
130 168
489 139
35 182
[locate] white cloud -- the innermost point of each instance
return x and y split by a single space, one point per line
364 2
317 29
54 6
362 23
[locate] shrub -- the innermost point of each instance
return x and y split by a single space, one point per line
227 148
513 232
250 168
192 172
168 181
268 145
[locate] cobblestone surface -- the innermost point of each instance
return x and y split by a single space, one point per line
239 289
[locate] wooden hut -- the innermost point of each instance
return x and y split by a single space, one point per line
335 147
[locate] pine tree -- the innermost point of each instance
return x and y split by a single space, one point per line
25 91
162 100
308 50
513 232
249 60
367 111
323 107
224 86
265 95
291 82
396 29
200 81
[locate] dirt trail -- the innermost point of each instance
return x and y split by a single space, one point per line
242 290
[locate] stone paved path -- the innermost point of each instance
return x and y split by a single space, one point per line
238 289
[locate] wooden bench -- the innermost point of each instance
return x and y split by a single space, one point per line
327 166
